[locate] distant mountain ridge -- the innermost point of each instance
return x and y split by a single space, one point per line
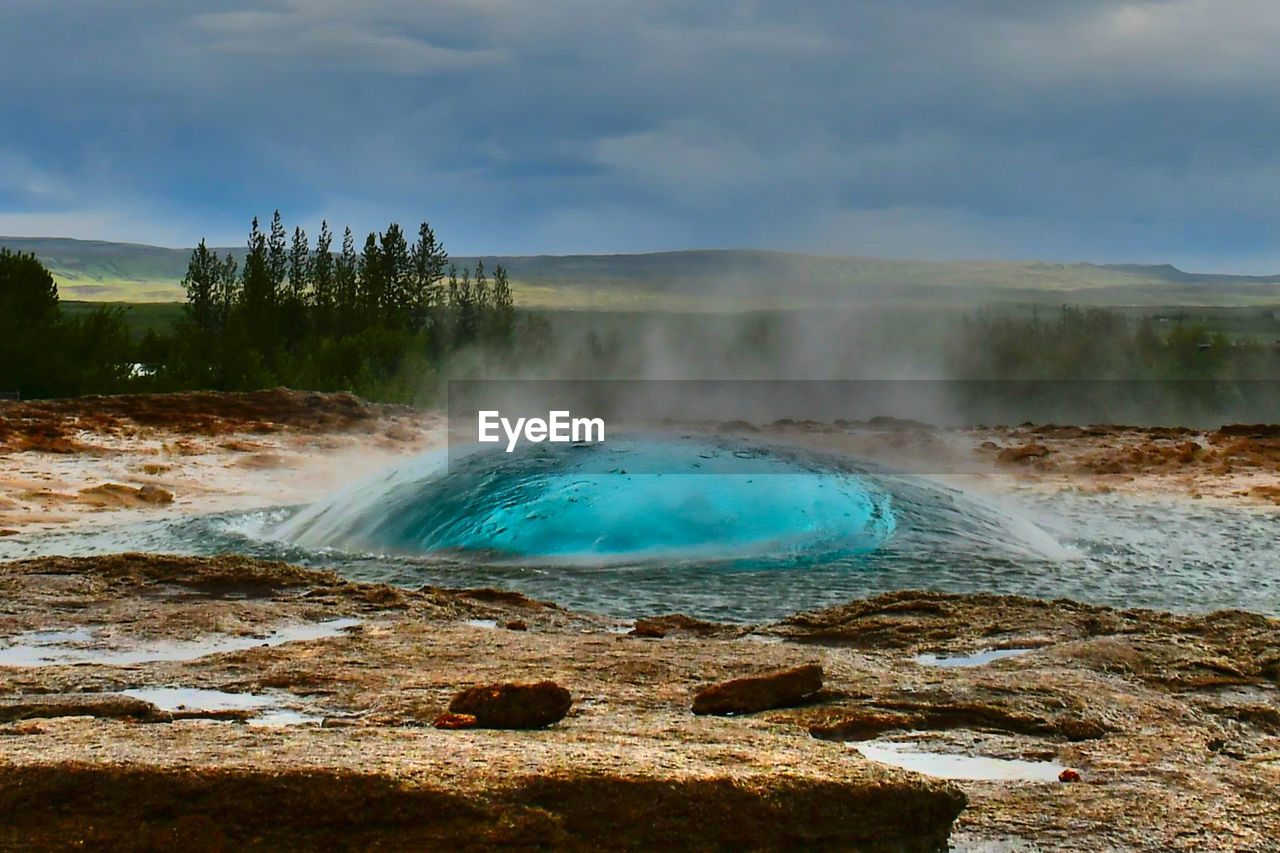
99 270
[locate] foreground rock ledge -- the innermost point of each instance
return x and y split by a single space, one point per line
108 807
628 769
1173 722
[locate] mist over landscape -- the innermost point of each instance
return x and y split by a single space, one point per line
599 426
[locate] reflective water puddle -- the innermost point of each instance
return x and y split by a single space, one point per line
268 710
947 765
47 648
975 659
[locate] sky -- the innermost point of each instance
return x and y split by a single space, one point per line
1063 130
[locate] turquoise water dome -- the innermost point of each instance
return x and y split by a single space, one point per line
633 498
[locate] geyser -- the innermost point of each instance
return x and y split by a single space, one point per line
632 499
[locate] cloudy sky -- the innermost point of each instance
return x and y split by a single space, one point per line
1058 129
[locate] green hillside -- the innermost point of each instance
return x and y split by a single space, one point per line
713 280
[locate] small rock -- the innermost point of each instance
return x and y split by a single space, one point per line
516 625
7 531
513 706
116 495
337 722
675 623
759 693
1028 451
455 721
155 495
1077 730
397 432
1069 775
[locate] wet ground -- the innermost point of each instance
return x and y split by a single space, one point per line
327 682
1172 722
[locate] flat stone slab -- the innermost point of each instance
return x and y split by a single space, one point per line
106 705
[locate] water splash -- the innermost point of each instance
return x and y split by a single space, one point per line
1114 550
640 498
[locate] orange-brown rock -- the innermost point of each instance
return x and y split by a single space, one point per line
677 624
513 706
155 495
1023 453
455 721
759 693
119 495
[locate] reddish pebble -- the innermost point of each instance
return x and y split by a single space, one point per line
1068 775
455 721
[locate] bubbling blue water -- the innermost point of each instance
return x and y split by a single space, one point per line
638 498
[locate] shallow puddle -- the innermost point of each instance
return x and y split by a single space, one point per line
947 765
268 709
975 659
762 638
48 648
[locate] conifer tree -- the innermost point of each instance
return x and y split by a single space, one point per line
394 304
428 260
371 284
294 319
503 307
346 286
480 291
259 299
228 291
277 258
201 284
464 309
299 267
322 275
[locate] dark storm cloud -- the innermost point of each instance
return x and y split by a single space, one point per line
1083 129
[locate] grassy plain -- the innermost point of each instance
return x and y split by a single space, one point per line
100 271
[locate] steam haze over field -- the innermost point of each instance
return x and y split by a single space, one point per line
1089 130
930 352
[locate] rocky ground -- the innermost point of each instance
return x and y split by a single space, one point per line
1237 464
1172 722
96 461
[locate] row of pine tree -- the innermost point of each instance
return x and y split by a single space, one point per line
383 321
286 291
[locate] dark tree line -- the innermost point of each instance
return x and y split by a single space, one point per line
307 315
1092 343
46 354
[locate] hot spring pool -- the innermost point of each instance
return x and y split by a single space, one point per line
637 499
729 530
